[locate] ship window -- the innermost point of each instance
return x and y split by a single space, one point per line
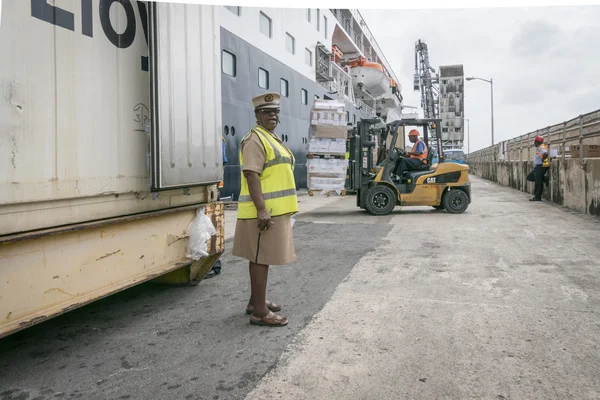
263 78
290 43
235 10
444 81
347 116
308 57
444 129
456 129
228 63
318 19
317 97
265 25
457 114
354 119
285 88
304 96
325 26
308 14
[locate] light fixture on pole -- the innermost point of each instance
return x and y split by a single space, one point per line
468 135
491 99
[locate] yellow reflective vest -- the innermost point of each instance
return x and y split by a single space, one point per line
546 162
276 180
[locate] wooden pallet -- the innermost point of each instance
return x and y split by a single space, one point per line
327 192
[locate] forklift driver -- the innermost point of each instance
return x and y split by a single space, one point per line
416 158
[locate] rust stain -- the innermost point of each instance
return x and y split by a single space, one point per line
32 321
108 255
111 233
72 307
58 290
176 240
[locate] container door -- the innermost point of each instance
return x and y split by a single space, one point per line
185 95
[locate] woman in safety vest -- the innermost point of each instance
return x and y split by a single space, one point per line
541 163
267 200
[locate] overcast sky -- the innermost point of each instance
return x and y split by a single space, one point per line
545 62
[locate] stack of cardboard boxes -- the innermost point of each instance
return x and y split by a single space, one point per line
326 162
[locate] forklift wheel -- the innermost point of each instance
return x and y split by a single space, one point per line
456 201
380 200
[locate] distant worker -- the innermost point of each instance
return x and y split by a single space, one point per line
263 233
216 269
416 158
541 163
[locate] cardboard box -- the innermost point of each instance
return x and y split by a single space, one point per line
327 118
589 151
331 168
317 183
329 105
329 131
327 146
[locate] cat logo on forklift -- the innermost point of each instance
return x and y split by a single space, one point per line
431 180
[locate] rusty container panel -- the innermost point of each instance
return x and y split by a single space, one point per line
45 274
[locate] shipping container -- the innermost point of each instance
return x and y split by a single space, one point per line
110 140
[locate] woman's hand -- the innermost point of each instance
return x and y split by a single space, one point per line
264 220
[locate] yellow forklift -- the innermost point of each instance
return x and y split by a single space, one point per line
443 186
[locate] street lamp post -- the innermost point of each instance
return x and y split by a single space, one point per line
468 135
491 82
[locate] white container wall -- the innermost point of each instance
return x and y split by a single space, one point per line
75 98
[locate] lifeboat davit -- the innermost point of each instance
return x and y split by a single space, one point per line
389 100
369 77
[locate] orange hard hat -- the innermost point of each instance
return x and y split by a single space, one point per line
413 132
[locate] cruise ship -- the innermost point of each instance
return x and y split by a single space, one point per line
303 54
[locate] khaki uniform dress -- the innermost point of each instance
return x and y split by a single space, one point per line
275 246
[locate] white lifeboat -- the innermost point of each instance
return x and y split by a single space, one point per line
368 77
389 100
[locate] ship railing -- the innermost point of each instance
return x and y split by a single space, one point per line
371 39
342 82
367 109
347 25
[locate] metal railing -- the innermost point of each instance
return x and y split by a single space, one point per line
579 131
367 32
347 25
361 105
341 86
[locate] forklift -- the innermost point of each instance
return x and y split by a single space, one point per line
443 186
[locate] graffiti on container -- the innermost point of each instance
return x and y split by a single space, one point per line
141 116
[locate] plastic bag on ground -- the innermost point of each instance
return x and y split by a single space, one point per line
201 229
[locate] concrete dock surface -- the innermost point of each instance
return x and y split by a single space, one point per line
500 302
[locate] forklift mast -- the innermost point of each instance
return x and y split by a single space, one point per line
362 144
